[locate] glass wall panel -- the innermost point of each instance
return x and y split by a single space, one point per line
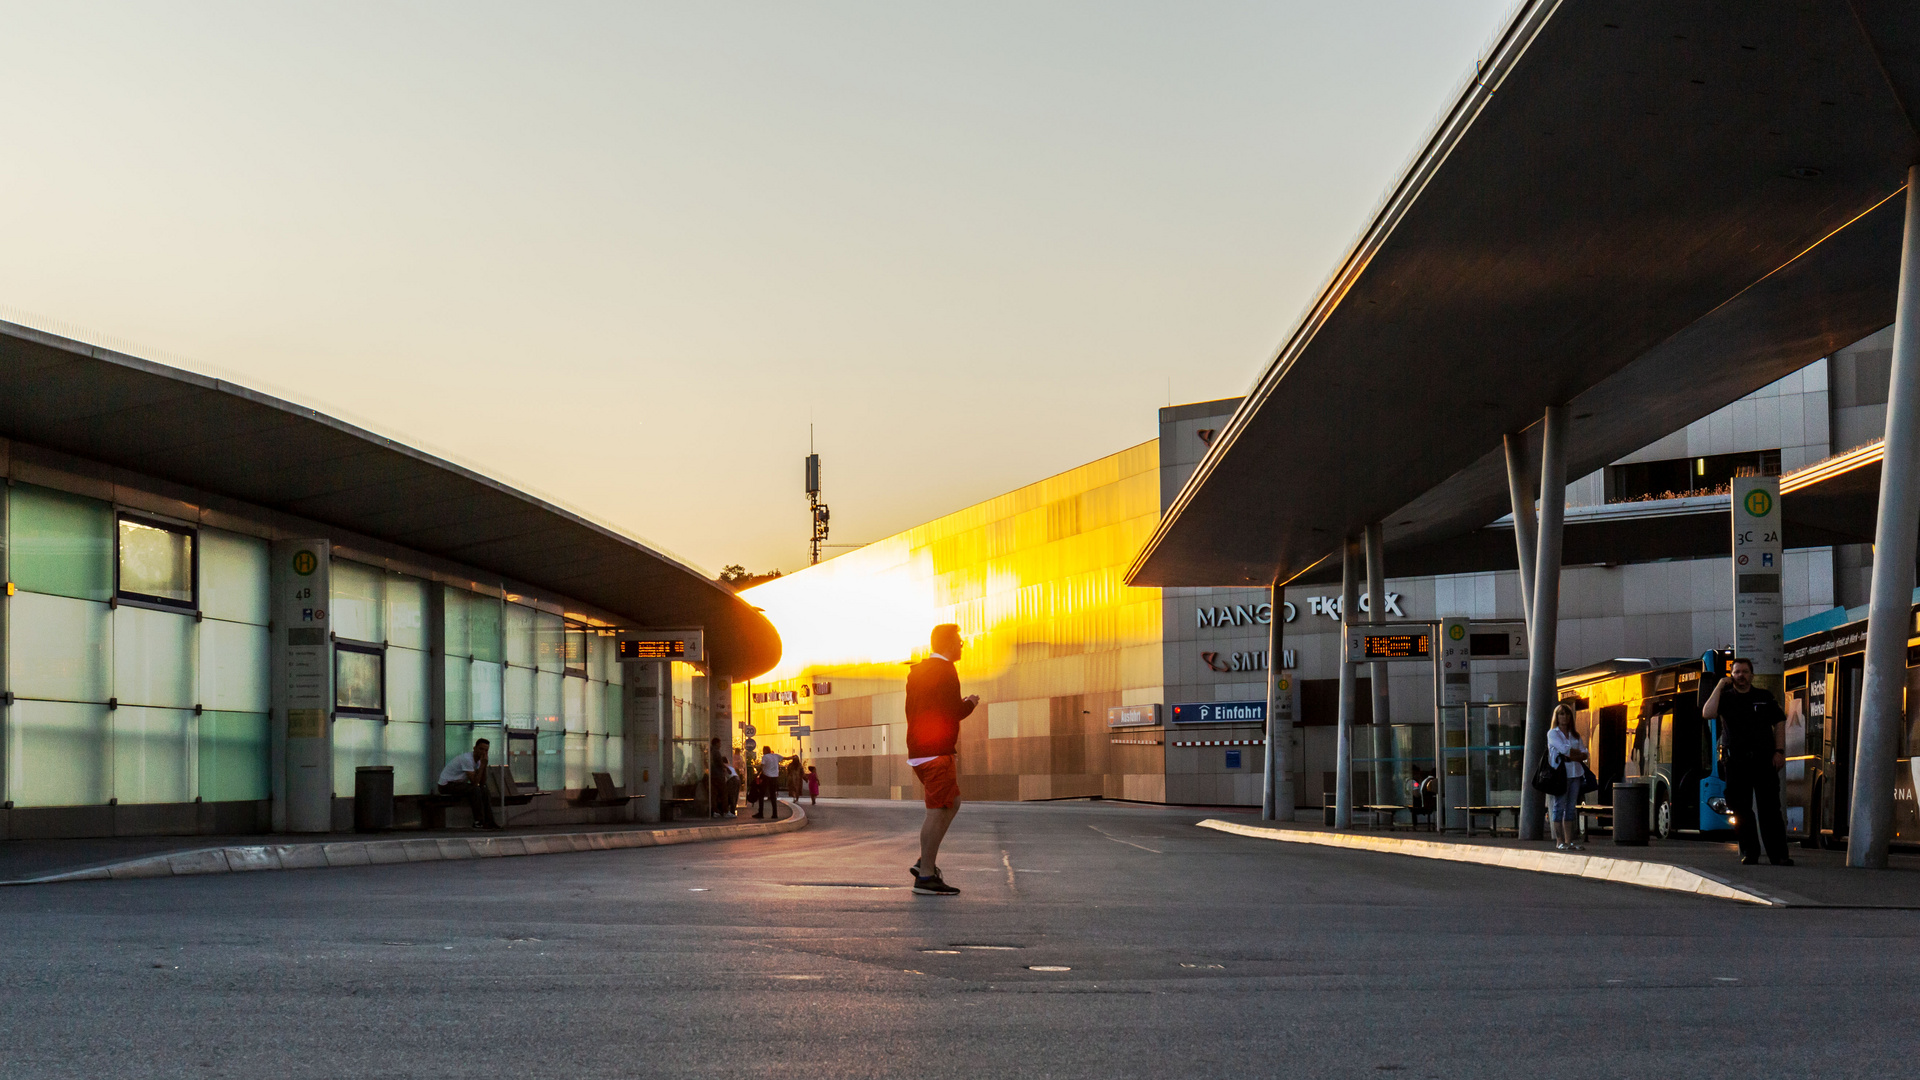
576 751
358 610
67 656
516 628
59 544
406 611
460 739
595 695
357 741
234 756
597 649
234 673
617 761
573 703
485 703
459 689
553 765
153 658
359 684
616 671
615 710
57 754
518 693
233 577
156 563
484 632
407 685
549 641
596 754
575 661
546 700
154 752
406 746
453 604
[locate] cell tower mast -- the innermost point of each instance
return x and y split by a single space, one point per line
820 514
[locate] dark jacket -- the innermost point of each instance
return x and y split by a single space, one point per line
934 708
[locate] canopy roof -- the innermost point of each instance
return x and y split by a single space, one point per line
1644 211
228 440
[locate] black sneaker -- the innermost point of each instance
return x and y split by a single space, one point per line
933 886
915 871
1783 862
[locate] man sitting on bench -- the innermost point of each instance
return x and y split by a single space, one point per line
467 775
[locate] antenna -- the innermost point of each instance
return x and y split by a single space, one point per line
820 514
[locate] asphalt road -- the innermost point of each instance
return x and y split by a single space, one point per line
1185 953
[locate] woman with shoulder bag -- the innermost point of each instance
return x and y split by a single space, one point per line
1566 750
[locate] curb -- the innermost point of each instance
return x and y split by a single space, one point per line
1649 875
313 856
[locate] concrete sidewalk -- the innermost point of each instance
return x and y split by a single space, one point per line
1698 867
35 862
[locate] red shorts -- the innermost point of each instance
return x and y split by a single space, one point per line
941 778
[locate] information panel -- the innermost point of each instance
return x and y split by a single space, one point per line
1757 553
1366 644
683 645
1219 712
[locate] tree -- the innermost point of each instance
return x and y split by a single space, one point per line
737 577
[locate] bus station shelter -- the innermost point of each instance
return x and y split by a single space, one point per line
1630 216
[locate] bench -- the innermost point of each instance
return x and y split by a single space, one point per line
1493 812
602 793
433 805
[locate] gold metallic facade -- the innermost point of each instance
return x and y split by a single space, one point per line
1053 640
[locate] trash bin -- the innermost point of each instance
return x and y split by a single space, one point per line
373 798
1630 813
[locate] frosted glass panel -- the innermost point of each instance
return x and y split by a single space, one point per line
407 753
573 703
461 737
518 630
597 649
407 685
485 699
616 671
233 756
61 649
576 655
59 543
550 761
357 741
459 689
234 675
453 606
546 700
550 641
406 611
519 697
233 577
358 612
596 754
57 754
483 628
153 658
154 752
576 749
596 703
615 710
617 761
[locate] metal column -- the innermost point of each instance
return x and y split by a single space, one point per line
1276 804
1520 492
1884 686
1382 741
1349 613
1543 690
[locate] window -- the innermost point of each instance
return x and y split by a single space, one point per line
1678 478
576 653
359 679
157 563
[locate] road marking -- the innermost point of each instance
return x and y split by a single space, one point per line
1008 863
1129 843
1048 967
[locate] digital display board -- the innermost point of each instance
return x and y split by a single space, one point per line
675 649
659 645
1368 645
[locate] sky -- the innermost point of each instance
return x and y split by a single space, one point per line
626 256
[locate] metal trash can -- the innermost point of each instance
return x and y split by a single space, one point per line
1630 813
373 798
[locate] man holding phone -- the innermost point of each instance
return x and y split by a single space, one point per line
1753 733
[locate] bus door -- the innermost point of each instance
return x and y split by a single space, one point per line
1798 798
1838 727
1610 749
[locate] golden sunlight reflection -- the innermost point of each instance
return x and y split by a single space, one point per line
871 606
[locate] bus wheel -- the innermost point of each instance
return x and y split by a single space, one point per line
1663 820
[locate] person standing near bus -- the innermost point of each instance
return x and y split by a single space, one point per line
1565 748
934 711
1753 733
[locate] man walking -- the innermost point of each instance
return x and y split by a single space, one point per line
1752 729
467 775
934 711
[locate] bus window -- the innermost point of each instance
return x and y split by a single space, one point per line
1666 738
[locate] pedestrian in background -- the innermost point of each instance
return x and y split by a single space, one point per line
769 783
716 778
1565 749
796 780
813 787
736 768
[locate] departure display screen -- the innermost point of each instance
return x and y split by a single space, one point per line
653 650
1414 646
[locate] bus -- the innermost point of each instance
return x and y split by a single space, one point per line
1822 700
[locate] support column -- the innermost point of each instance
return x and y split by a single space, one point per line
1382 741
1349 613
1543 690
1520 493
1884 685
1277 802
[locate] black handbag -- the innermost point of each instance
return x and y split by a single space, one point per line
1550 779
1588 781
